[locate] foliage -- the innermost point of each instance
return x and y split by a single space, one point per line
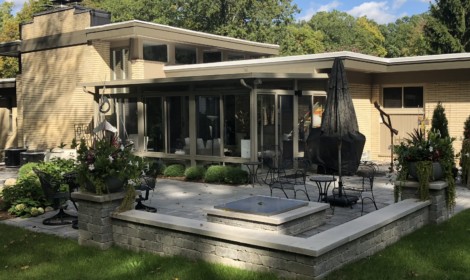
235 175
465 162
466 128
156 167
27 169
107 158
215 174
405 37
194 173
448 26
26 187
302 39
343 32
174 170
26 207
419 148
439 120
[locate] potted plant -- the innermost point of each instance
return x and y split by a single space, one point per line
108 166
429 157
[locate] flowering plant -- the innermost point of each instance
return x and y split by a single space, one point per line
425 150
107 159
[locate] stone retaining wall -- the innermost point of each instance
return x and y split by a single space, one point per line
288 256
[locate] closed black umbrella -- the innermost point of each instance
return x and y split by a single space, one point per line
338 144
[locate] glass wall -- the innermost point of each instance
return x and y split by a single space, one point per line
155 125
178 124
208 137
237 123
266 123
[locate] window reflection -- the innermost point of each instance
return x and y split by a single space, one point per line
237 123
154 125
208 140
178 124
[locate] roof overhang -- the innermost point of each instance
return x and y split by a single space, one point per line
159 32
316 66
11 49
192 79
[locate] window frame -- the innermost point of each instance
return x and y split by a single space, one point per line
402 87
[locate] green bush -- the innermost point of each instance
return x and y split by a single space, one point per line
26 198
215 174
194 173
235 175
174 170
156 167
27 187
26 169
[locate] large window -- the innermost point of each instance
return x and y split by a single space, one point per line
155 52
178 124
185 55
154 124
237 123
208 141
403 97
212 57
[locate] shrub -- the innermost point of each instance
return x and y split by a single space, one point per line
215 174
174 170
235 175
156 167
194 173
27 187
26 169
26 208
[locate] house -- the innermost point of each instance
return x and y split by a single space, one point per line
196 97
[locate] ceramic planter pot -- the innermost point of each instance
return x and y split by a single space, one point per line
436 173
113 185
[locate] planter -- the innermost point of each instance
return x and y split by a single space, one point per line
436 173
113 185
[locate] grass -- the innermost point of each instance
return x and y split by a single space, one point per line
434 252
29 255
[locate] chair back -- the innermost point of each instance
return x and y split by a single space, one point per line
147 183
46 184
367 171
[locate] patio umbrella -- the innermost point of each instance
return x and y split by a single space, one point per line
337 145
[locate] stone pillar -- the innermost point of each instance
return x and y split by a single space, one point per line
94 218
437 194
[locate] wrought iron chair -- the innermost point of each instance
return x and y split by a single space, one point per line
147 183
365 189
58 199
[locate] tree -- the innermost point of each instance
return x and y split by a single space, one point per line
343 32
448 26
8 32
439 120
301 39
405 37
257 20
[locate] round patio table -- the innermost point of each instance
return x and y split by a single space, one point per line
323 183
252 167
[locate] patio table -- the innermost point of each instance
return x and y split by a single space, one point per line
252 167
323 184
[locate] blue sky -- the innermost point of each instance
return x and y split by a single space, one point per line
380 11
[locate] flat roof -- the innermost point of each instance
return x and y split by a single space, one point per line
160 32
314 66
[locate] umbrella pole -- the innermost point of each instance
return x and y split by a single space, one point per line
340 183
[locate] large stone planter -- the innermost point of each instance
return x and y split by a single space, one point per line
436 173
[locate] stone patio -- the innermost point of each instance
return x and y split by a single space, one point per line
190 200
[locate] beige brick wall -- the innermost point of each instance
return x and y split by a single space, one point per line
50 99
55 23
455 98
361 99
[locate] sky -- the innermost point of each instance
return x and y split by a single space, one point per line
379 11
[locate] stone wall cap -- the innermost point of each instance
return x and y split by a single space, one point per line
313 246
434 185
97 198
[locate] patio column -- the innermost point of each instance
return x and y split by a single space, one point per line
438 211
94 218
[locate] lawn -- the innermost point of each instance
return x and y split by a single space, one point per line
434 252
